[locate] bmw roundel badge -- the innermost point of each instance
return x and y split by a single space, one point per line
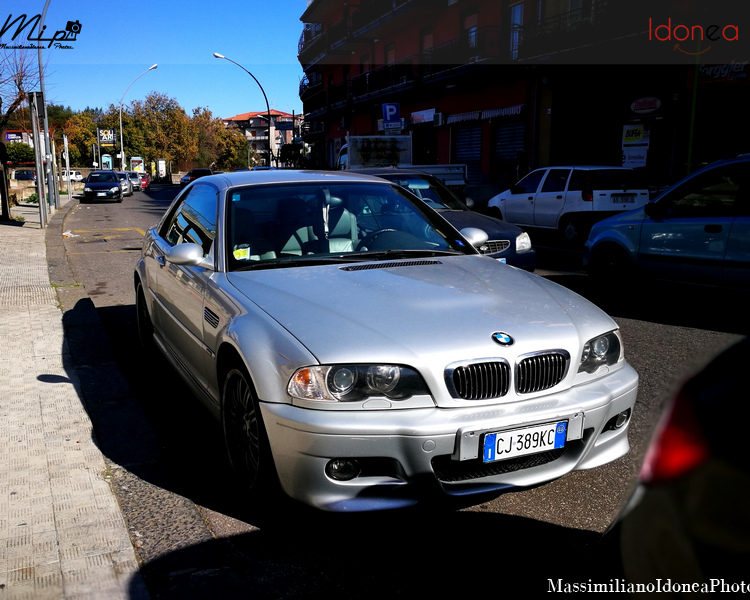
502 338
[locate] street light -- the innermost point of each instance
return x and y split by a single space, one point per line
122 148
268 108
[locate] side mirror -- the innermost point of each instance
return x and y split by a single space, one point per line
189 255
475 236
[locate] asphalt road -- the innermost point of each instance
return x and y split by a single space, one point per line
197 537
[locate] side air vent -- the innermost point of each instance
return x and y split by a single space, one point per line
211 317
391 265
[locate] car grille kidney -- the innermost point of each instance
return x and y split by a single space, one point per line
541 371
480 380
484 380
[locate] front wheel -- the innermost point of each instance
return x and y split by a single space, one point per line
245 434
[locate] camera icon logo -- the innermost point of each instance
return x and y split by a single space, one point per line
73 27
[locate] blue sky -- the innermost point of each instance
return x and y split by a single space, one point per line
115 46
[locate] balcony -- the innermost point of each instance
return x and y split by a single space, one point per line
315 45
571 30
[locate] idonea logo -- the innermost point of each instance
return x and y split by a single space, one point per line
667 32
69 34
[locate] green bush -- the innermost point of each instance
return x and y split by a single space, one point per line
34 198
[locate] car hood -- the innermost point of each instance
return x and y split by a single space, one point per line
421 312
494 228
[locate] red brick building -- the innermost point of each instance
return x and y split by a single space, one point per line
507 85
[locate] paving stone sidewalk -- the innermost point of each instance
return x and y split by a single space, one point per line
62 533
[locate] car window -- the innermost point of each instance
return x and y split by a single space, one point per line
102 178
530 183
605 179
194 219
432 192
283 224
556 180
717 192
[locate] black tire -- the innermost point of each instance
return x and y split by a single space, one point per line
573 230
143 321
245 434
610 263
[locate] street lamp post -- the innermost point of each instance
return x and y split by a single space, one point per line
122 148
268 108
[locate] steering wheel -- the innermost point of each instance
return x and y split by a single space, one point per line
369 238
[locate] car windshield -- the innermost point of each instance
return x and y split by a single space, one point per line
429 190
102 178
293 224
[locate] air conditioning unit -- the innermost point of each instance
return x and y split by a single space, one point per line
438 119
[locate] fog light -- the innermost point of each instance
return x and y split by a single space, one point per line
622 418
343 469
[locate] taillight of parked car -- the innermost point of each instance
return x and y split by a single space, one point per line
679 446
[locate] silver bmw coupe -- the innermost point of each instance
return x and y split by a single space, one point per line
360 352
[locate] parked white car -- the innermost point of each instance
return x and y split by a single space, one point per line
73 175
570 198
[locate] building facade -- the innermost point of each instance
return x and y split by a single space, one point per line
506 85
284 129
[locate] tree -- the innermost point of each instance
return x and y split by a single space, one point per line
18 74
20 153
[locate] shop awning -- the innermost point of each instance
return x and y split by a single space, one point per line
467 116
506 111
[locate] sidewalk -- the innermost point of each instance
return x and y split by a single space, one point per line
62 533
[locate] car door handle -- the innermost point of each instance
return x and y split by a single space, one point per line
713 228
531 197
558 197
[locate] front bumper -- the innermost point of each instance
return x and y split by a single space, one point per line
414 454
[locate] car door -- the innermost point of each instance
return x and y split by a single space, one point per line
519 203
685 234
180 289
550 199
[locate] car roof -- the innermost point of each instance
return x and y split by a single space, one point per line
288 176
584 167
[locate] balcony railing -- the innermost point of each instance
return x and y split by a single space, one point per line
568 30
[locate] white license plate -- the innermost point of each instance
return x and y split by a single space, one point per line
501 445
101 194
620 199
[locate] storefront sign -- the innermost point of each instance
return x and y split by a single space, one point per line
644 106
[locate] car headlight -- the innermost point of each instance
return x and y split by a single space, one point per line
87 189
605 349
114 189
348 383
523 242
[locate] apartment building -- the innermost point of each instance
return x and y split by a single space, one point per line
508 85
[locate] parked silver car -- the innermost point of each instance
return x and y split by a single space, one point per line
125 184
359 351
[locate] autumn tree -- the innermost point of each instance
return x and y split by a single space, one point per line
18 75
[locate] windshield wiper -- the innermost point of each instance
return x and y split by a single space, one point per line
298 262
389 254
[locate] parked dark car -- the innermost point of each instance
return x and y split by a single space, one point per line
102 185
24 175
191 176
506 243
690 523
